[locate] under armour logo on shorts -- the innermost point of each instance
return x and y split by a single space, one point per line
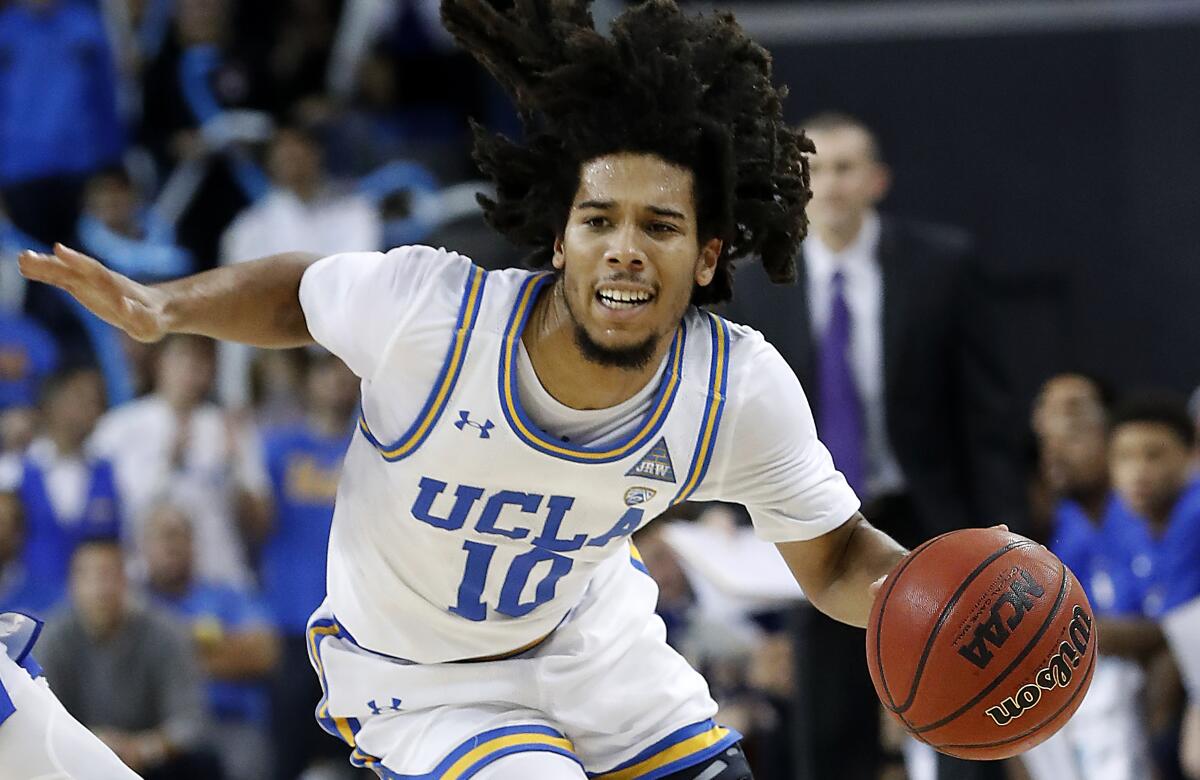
377 710
464 420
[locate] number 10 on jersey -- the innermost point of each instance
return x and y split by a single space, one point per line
479 560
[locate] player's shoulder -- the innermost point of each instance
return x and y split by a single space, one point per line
746 368
410 262
748 351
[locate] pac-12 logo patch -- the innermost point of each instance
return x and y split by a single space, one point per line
655 464
638 495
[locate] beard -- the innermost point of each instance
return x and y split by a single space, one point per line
632 357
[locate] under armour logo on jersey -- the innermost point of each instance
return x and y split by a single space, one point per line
655 464
464 420
377 710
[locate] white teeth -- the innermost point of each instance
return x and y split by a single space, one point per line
623 299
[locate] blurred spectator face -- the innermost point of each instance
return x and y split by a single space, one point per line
71 410
1149 466
18 425
112 200
168 548
847 178
1069 422
97 586
11 537
294 162
332 387
200 22
185 370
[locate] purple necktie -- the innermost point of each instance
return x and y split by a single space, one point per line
840 423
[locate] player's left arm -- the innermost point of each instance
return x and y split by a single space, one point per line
778 468
837 570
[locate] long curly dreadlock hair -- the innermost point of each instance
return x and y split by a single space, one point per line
692 90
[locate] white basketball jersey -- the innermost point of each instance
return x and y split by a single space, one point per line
461 529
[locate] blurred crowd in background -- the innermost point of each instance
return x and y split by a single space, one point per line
166 507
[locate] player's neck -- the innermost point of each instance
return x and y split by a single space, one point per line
563 369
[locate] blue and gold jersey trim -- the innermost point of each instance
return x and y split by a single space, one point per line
679 750
635 559
456 353
535 437
345 729
479 751
710 420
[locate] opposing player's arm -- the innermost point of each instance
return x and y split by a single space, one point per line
837 569
255 303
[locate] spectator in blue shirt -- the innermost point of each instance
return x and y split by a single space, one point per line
19 592
303 462
1150 443
28 354
58 110
1109 737
67 496
234 640
127 235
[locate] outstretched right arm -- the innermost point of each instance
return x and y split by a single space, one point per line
255 303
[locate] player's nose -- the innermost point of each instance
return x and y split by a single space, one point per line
625 251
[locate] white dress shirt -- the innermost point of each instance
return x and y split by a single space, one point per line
282 222
863 289
67 478
138 437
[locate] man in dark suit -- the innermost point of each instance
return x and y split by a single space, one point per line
887 332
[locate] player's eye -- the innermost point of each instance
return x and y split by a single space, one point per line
663 227
596 222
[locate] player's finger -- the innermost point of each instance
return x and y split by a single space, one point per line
39 267
876 586
78 261
1001 527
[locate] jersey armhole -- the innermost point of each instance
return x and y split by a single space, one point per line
714 407
435 403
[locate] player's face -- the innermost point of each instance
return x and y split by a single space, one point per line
1149 466
847 180
631 255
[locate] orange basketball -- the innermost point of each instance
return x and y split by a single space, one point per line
981 643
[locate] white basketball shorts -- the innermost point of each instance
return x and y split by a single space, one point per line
604 690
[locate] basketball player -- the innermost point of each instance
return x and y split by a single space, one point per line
486 614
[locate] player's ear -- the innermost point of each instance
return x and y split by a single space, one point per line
560 257
706 263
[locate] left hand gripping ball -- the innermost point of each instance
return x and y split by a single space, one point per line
981 643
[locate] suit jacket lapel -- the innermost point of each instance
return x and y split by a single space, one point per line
800 322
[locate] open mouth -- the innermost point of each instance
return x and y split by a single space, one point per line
618 300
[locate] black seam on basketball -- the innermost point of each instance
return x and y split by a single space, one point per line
891 585
1062 594
941 621
1083 685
